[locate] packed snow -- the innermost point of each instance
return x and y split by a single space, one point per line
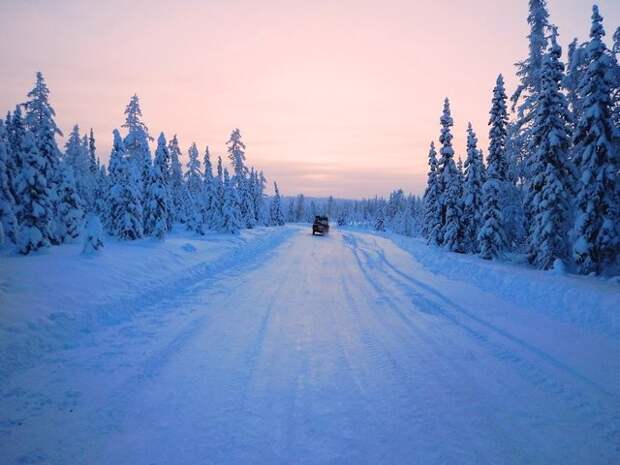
279 347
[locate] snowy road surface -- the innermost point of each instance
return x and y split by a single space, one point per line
321 350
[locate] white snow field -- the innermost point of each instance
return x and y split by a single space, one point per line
277 347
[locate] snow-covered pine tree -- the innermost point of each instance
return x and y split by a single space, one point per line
93 236
577 58
70 211
102 193
529 73
218 206
36 211
209 204
492 237
39 119
262 214
379 223
13 138
157 208
231 222
275 210
597 223
551 186
451 234
193 176
176 180
77 157
126 209
236 155
8 205
432 200
472 193
300 209
92 155
240 180
290 211
137 142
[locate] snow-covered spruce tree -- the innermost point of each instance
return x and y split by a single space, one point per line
8 205
231 221
432 200
300 208
176 180
379 223
290 211
451 235
257 187
240 180
551 186
218 201
209 203
262 213
15 133
597 222
70 211
35 214
472 193
39 119
236 154
77 157
577 64
102 193
529 73
275 210
492 237
137 142
157 209
93 236
126 209
13 137
193 175
92 155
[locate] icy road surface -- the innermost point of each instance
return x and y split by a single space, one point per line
321 350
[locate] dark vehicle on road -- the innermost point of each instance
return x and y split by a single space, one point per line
320 225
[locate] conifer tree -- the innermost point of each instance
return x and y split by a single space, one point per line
276 215
597 222
231 222
126 209
39 119
157 200
525 95
70 209
451 234
137 142
36 209
8 205
432 207
472 193
218 208
92 155
176 179
492 237
193 175
209 190
551 187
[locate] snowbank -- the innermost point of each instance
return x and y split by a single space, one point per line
587 301
47 300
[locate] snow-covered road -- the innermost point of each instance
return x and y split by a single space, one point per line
322 350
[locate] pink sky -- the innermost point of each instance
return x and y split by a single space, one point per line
331 97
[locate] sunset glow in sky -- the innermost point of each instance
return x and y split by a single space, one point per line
332 97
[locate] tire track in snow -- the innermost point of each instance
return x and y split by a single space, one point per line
603 418
415 331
